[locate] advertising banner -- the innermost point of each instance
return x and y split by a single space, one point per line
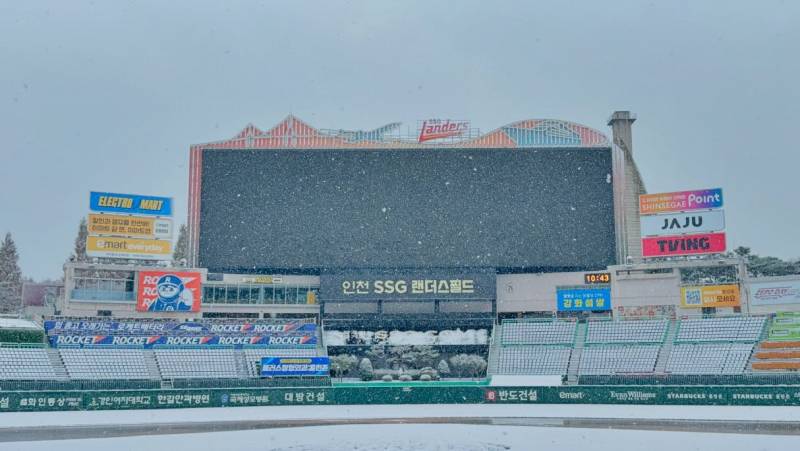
174 328
130 203
774 293
168 291
575 299
670 246
680 223
703 199
295 366
128 248
710 296
148 341
416 285
129 226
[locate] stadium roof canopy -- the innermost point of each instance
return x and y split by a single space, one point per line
295 133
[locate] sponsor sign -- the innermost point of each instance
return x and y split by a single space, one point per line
174 328
132 248
704 199
680 223
669 246
576 299
168 291
437 128
130 203
263 279
775 293
129 226
710 296
295 366
784 333
418 285
149 341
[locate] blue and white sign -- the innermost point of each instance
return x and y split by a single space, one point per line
295 366
130 203
576 299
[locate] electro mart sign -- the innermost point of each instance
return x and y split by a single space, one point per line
130 203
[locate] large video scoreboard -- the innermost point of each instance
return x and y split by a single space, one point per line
311 210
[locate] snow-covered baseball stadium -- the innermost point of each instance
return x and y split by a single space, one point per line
511 278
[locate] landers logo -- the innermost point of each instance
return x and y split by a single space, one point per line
438 128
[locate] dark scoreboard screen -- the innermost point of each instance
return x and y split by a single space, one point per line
309 210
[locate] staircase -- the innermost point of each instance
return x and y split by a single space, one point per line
577 351
494 346
152 365
58 365
241 364
666 347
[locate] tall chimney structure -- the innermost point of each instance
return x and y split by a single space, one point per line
628 185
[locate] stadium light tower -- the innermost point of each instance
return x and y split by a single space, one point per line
628 185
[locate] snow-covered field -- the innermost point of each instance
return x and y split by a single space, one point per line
355 412
412 436
424 437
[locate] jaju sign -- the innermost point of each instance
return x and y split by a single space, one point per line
680 223
441 128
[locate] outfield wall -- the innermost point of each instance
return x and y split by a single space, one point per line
14 401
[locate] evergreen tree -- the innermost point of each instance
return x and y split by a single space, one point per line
79 253
181 247
10 276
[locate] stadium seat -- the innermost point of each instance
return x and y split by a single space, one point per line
616 359
25 364
111 363
644 331
537 332
709 358
198 363
734 328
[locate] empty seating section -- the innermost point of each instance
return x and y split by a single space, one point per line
253 356
537 332
644 331
107 363
615 359
198 363
533 360
738 328
25 364
709 358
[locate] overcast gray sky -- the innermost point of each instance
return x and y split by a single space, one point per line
109 95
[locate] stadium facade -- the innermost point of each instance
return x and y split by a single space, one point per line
297 220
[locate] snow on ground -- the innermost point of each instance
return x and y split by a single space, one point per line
154 416
414 437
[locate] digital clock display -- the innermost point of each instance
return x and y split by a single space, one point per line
597 277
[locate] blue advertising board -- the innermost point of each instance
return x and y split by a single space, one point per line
177 341
576 299
130 203
89 327
295 366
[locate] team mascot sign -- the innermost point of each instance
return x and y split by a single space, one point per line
168 291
